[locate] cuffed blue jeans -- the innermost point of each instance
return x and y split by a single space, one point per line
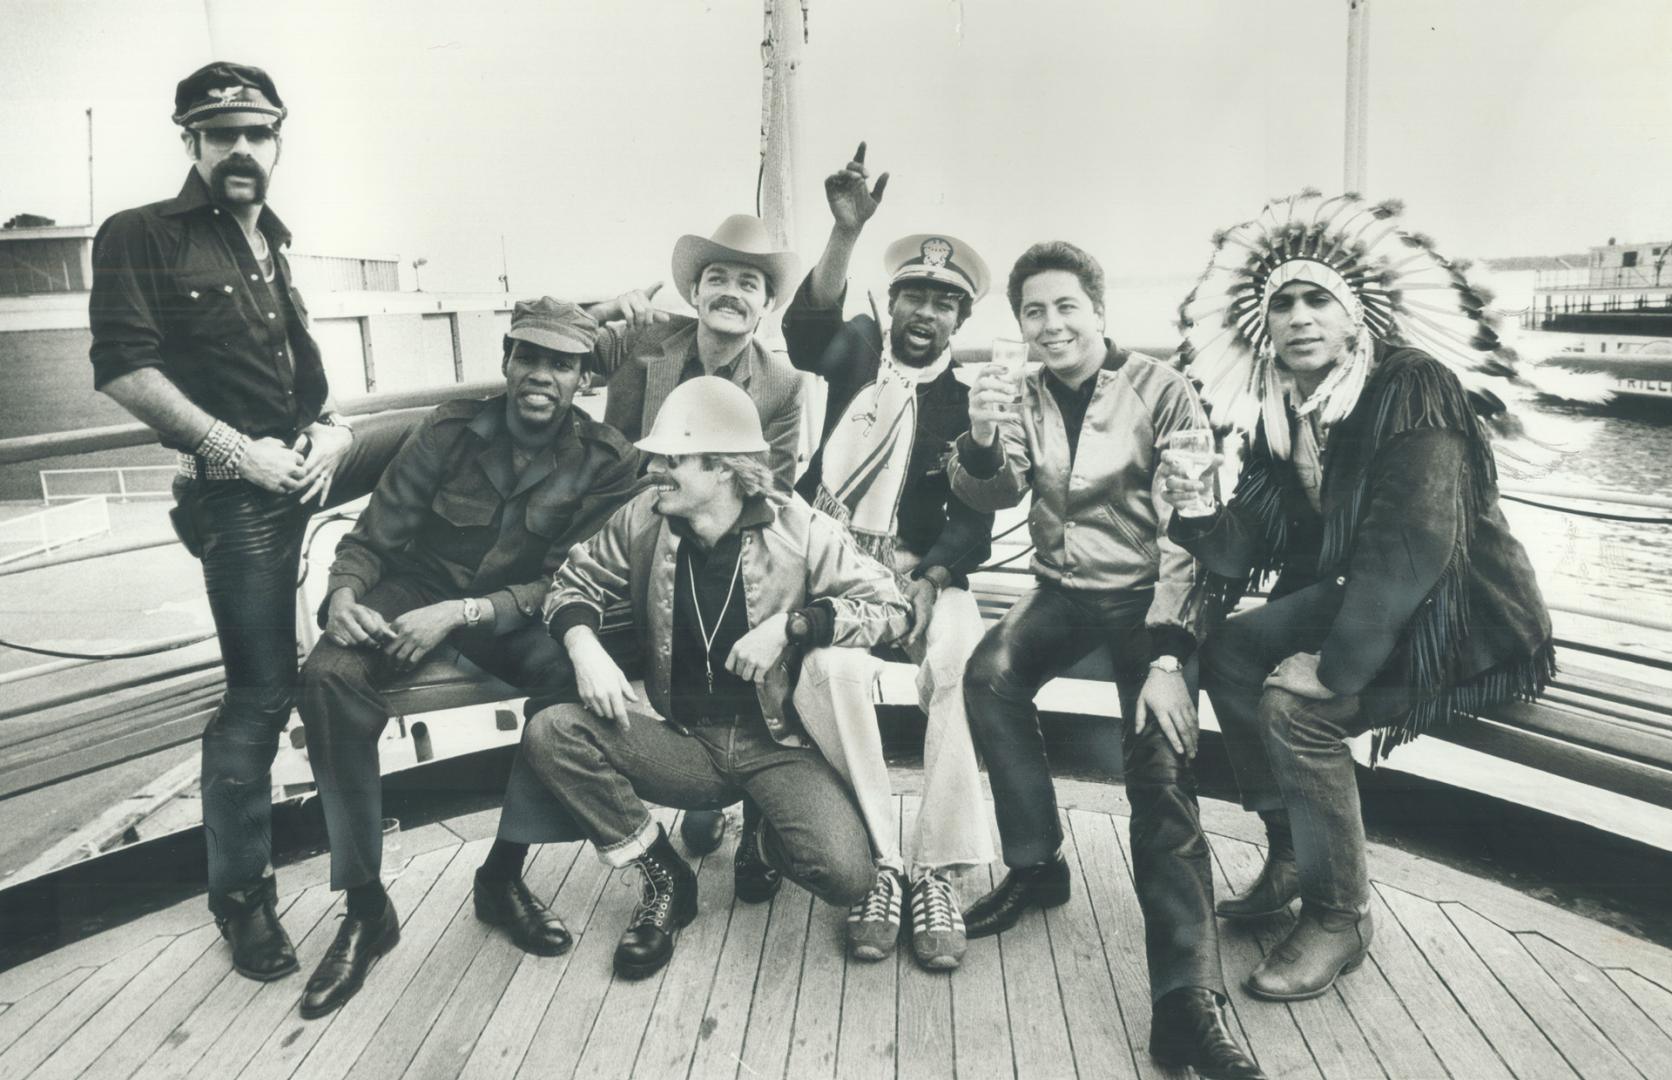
1046 632
603 774
1290 752
249 542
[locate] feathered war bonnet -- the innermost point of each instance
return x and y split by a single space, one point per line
1397 287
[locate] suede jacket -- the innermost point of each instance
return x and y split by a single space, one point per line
940 529
789 559
1437 600
1095 522
643 367
452 510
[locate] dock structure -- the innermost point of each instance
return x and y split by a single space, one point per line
1467 979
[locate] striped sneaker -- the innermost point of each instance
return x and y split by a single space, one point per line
937 926
874 922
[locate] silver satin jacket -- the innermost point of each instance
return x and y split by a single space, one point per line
799 556
1096 522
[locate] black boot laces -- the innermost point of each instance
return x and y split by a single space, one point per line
656 894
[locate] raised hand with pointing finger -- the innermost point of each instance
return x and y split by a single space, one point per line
851 203
636 307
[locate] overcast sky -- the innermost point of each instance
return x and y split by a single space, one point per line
593 132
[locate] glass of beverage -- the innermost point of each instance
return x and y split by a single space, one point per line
1191 454
1013 356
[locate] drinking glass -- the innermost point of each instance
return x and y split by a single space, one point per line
1013 356
1191 452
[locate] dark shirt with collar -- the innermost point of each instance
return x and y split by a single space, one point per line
176 287
1073 401
453 511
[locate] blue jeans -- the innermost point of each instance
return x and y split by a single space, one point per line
603 775
1290 752
250 544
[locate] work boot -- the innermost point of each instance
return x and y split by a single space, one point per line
1279 882
937 926
667 903
702 830
1188 1029
1324 944
1043 885
249 920
753 879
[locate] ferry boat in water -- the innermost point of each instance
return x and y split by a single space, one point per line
1609 313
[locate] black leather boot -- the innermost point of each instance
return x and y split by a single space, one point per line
360 941
668 902
1188 1029
702 830
249 920
1279 882
1045 885
507 902
753 879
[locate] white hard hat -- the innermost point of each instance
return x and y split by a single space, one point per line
705 415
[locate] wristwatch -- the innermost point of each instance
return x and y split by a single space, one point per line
799 629
1172 665
472 611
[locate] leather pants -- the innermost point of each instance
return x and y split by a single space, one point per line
1047 631
249 542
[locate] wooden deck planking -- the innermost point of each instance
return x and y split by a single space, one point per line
766 1041
1331 1031
49 1033
448 1044
504 1041
1654 1000
925 1013
1585 1048
111 1023
1517 1038
1603 1002
731 997
1096 1030
1451 990
670 1037
1038 1025
1272 1035
981 1047
432 887
18 1019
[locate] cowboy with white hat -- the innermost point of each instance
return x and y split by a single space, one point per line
735 591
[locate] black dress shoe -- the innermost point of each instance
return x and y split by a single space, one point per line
1279 881
249 920
667 903
753 879
1044 885
702 830
507 902
1188 1029
359 942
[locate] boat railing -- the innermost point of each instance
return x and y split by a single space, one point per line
1596 726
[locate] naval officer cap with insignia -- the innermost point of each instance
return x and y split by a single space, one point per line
227 95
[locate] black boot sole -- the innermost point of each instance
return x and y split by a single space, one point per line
1055 896
388 942
267 976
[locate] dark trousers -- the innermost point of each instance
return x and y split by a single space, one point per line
1047 631
250 544
344 711
1290 752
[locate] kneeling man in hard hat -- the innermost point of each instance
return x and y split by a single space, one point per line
735 591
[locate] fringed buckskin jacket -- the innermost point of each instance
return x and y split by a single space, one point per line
1437 600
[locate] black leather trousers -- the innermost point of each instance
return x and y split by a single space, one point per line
250 543
1046 632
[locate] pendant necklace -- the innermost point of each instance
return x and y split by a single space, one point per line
708 638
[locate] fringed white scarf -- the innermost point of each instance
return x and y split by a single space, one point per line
1334 398
866 454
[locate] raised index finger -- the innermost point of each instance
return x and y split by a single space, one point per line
859 155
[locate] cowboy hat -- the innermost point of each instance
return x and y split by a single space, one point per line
740 238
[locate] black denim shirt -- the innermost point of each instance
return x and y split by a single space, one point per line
176 287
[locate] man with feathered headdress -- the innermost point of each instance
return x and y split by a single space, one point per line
1341 343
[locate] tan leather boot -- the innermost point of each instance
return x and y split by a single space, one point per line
1324 944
